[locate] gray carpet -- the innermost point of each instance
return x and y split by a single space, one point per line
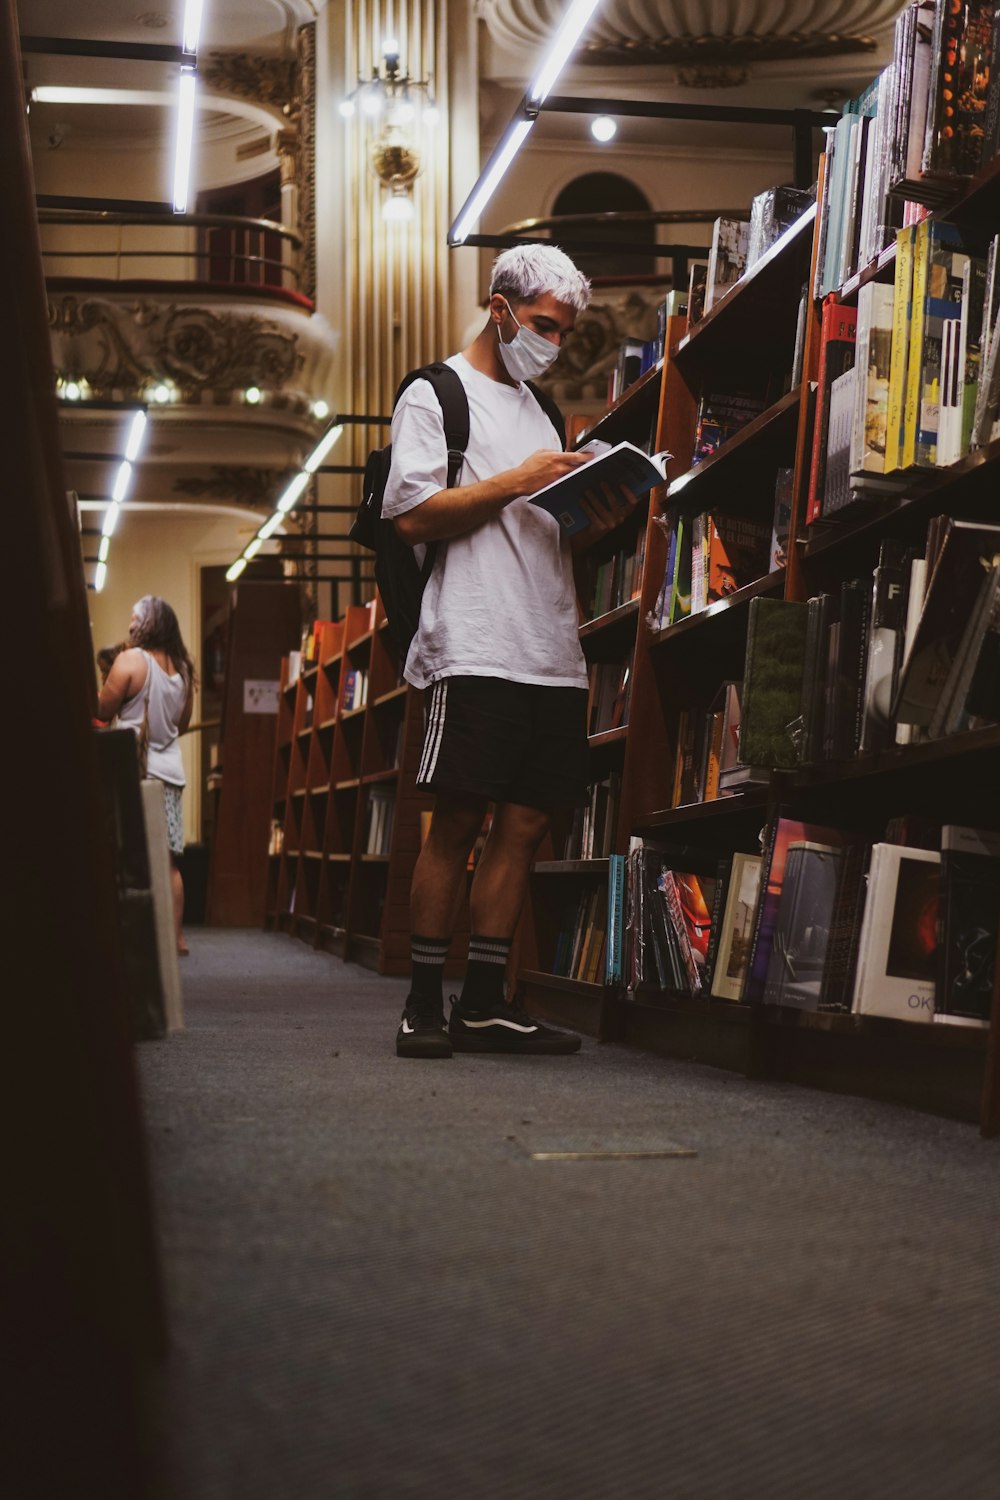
377 1291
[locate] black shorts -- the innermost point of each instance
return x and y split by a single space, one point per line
506 741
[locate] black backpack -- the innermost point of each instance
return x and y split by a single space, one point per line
400 578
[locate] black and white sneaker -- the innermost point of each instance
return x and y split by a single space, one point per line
504 1028
422 1032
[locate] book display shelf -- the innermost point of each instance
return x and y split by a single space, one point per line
679 667
346 817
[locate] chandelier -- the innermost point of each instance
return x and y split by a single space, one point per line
396 110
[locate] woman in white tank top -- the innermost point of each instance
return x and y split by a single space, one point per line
153 678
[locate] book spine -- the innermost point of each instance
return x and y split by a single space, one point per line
911 409
616 909
722 878
902 293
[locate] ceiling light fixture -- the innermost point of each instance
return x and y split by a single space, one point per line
136 433
192 26
122 481
396 107
289 495
186 91
564 43
100 574
603 129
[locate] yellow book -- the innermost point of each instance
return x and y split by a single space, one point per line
914 362
902 293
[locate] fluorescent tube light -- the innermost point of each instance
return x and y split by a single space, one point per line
52 93
104 549
564 43
135 435
271 525
252 548
185 139
321 449
111 519
122 481
192 25
293 492
100 574
237 568
501 159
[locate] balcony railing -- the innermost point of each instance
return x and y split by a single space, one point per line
220 250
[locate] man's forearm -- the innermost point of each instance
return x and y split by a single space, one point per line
453 512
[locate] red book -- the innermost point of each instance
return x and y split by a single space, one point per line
838 329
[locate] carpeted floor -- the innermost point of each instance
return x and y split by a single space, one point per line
378 1292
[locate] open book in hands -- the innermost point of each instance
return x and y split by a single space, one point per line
623 466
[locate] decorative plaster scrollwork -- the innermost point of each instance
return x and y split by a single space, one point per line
125 344
270 81
238 484
587 359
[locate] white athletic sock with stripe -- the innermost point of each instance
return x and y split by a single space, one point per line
484 976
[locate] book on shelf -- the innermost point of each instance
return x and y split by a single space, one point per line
353 689
727 258
618 578
803 924
735 937
772 214
897 953
869 422
610 689
582 937
772 682
697 289
885 624
962 67
781 835
294 667
668 920
738 553
781 523
838 329
591 833
724 409
951 623
615 919
622 466
380 819
970 911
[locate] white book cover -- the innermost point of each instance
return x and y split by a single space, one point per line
727 258
871 394
914 604
737 927
897 952
955 337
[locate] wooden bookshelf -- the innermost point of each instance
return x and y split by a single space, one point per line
324 884
951 1069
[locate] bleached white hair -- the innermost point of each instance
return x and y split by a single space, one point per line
525 272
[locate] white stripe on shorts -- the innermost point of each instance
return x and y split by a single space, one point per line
431 729
435 732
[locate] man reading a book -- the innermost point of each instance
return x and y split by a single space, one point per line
497 647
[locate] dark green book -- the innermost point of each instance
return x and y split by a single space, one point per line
772 683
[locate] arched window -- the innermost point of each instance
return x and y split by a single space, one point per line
601 193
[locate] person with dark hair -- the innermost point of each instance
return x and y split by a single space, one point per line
497 647
106 659
150 686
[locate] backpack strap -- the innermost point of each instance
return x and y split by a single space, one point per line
454 403
550 409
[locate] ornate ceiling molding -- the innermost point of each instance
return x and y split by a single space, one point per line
731 33
267 80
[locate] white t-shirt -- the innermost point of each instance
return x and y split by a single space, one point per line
500 601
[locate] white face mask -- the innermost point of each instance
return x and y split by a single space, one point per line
527 354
